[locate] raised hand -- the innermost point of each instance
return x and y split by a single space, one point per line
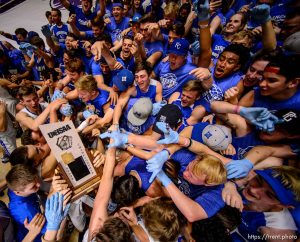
260 14
171 136
155 164
202 9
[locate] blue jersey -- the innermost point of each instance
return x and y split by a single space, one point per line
115 29
172 81
82 19
98 102
88 64
21 208
138 165
125 124
152 47
95 68
128 64
218 45
60 32
151 92
276 105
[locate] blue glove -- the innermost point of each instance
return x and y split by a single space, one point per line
171 136
57 94
27 49
156 163
120 139
165 180
195 47
87 113
157 106
66 110
238 168
54 211
46 31
202 10
260 14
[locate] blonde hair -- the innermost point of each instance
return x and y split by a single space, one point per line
171 9
162 219
193 85
290 178
87 83
210 166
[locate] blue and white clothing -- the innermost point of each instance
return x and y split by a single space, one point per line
125 124
82 19
173 80
60 32
151 92
152 47
115 29
98 102
274 105
218 45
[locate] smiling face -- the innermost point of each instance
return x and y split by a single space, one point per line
255 73
142 80
86 6
127 44
227 64
260 195
234 24
117 13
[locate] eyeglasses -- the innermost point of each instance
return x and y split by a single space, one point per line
142 30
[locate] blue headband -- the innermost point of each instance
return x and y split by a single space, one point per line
284 195
117 5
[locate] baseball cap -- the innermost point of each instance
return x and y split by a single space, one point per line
136 17
179 47
290 120
123 79
170 114
140 111
292 43
284 195
216 136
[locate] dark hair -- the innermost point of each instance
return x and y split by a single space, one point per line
125 190
47 14
37 41
26 138
97 22
178 29
72 35
146 18
26 91
127 36
241 51
57 10
187 6
21 31
20 156
142 65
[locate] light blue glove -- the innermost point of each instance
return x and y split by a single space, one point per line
171 136
66 110
27 49
57 94
155 164
120 139
165 180
260 117
202 10
87 113
195 47
238 168
157 106
260 14
46 31
54 211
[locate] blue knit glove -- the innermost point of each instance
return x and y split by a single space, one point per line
46 31
171 136
195 47
165 180
155 164
120 139
157 106
260 14
202 9
57 94
87 113
238 168
66 110
54 211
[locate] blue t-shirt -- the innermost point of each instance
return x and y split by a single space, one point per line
128 64
115 29
60 32
151 92
99 101
152 47
172 81
21 208
82 19
218 45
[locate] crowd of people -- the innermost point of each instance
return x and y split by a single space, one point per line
191 108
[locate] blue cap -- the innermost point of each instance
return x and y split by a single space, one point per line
179 47
136 17
123 79
284 195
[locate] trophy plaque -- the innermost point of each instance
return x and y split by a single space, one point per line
74 162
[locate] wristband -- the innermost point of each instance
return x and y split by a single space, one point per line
190 144
186 142
237 109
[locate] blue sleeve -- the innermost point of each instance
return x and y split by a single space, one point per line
96 69
211 201
157 69
89 34
158 48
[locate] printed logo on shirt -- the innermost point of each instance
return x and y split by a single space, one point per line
289 116
184 187
215 93
242 152
168 80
